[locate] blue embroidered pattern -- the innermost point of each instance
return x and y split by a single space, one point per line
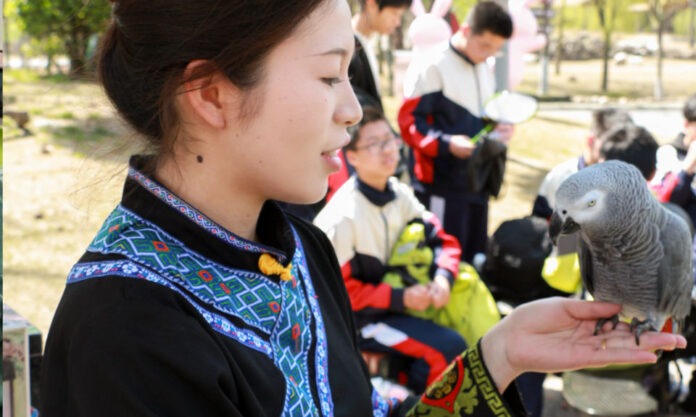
286 312
321 356
191 213
128 269
247 295
380 405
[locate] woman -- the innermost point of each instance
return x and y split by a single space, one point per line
199 297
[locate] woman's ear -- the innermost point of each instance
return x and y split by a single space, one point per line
205 96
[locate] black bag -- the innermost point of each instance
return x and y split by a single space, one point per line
514 261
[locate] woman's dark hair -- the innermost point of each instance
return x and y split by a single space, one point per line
149 43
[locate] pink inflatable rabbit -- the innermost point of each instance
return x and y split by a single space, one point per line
428 32
525 38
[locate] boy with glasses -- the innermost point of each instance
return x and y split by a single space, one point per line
442 112
363 220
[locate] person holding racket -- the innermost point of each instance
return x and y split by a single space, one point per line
443 110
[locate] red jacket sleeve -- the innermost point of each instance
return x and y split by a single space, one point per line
364 296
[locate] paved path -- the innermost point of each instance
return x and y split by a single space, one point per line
663 121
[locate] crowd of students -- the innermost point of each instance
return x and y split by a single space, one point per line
442 110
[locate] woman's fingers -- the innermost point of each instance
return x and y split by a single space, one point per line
648 341
589 310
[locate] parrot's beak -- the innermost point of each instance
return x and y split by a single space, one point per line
558 226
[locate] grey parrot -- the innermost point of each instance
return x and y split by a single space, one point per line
632 250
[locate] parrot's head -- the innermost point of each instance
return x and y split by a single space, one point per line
595 198
572 214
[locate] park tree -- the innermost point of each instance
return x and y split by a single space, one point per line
75 22
662 12
607 12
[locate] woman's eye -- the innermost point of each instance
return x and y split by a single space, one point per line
331 81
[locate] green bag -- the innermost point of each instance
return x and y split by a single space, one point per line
471 310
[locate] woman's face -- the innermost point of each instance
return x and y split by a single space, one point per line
289 146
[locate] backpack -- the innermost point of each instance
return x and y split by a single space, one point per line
471 310
515 258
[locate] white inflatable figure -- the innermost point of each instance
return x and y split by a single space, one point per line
525 38
429 32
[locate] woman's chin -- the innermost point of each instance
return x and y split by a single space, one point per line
312 196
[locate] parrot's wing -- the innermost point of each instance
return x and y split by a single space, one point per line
585 258
675 270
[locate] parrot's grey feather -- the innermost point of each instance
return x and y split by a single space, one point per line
632 250
672 266
585 258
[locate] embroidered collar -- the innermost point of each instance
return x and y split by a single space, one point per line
150 199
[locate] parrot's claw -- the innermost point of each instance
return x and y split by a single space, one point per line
638 327
600 323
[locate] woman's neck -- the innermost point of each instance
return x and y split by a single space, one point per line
219 201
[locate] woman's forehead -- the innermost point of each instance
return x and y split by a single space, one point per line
328 26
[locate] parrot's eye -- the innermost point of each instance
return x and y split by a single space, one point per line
591 203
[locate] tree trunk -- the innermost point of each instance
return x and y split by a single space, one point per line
692 23
559 44
605 63
658 78
49 64
76 46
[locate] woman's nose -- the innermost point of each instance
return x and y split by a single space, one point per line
349 111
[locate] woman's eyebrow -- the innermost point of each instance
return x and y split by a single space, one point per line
342 52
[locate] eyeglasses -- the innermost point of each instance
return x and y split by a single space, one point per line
375 148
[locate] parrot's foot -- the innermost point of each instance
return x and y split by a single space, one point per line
638 327
600 323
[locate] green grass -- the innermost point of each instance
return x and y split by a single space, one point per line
82 134
24 75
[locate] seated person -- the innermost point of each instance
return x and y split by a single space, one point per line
677 163
363 220
632 144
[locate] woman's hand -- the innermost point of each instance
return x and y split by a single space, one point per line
556 334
